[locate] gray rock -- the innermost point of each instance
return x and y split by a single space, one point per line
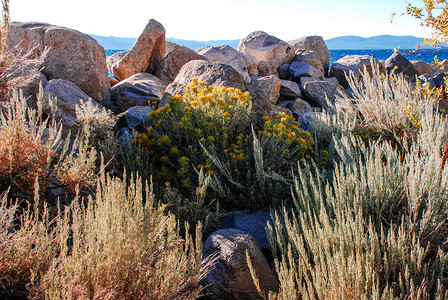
352 64
137 90
225 54
439 80
401 65
211 73
309 56
64 54
264 91
321 91
230 278
145 56
316 44
303 69
289 90
138 116
267 68
174 61
67 95
307 119
283 72
426 79
300 106
265 47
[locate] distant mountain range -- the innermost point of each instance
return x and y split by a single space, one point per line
117 43
348 42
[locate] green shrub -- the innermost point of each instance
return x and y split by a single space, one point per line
375 228
208 128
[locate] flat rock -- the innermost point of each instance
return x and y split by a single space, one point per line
303 69
145 56
310 57
289 90
137 90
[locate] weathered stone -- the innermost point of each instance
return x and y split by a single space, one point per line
420 67
67 95
321 91
303 69
307 119
300 106
310 57
145 56
264 91
289 90
277 110
266 47
174 61
332 80
229 277
252 64
137 90
225 54
211 73
26 77
138 116
316 44
425 79
352 64
64 54
267 68
439 80
283 72
401 65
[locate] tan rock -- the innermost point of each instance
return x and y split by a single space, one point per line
145 56
316 44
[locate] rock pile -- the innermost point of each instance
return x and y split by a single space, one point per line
282 77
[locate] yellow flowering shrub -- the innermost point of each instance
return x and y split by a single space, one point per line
208 128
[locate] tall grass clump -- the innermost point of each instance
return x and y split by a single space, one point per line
32 149
381 107
375 228
116 244
209 128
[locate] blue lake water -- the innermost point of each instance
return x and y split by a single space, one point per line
423 55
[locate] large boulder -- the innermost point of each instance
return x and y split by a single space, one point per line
225 54
265 47
400 65
322 91
211 73
67 96
145 55
64 54
175 60
353 64
229 277
137 90
316 44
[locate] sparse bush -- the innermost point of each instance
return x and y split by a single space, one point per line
110 246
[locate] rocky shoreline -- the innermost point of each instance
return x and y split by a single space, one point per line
293 77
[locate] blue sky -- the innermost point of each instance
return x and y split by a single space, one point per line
223 19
